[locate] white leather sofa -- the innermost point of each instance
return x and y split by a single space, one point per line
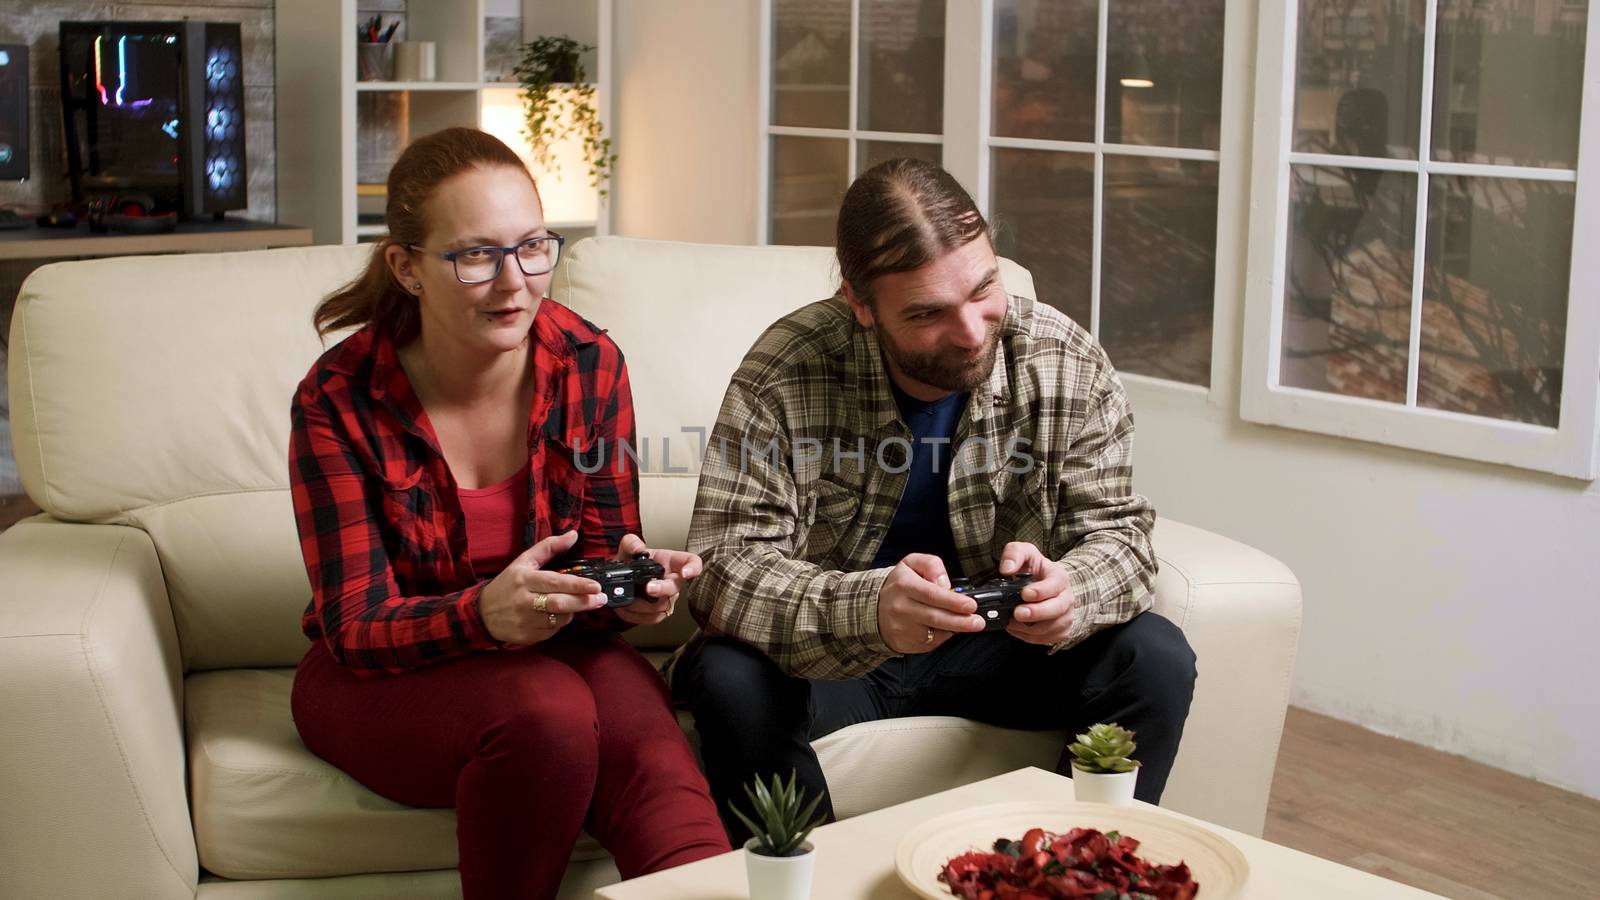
149 617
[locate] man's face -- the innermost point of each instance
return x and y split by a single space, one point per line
939 325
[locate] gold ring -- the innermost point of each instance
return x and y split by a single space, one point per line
552 620
929 638
541 602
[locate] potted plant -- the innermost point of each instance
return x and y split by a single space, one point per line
559 102
1102 771
778 860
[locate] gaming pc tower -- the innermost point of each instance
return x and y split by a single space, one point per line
13 112
155 108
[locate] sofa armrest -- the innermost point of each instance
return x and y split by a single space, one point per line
92 755
1240 610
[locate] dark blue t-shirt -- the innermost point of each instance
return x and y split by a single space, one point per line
922 521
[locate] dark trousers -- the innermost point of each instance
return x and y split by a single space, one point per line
528 746
755 720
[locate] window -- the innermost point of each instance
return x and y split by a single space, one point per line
852 83
1088 130
1418 185
1103 157
1418 174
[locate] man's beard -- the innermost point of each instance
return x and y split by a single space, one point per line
949 370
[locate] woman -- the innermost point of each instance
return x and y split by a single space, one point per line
449 665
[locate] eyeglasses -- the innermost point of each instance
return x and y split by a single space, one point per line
478 265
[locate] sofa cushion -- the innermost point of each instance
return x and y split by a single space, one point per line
877 764
140 381
266 807
154 392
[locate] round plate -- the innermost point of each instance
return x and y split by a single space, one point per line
1216 865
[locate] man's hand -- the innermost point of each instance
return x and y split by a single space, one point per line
680 566
917 611
1045 614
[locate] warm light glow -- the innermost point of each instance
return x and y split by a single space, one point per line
1138 83
567 197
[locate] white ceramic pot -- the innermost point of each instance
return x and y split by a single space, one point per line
1115 789
779 877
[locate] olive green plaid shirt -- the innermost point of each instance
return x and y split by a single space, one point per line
807 463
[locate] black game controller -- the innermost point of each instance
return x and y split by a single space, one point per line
622 581
996 597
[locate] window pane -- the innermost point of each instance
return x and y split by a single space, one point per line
1358 82
811 63
1347 314
902 66
1158 264
809 177
1494 310
870 153
1044 219
1045 56
1164 73
1508 82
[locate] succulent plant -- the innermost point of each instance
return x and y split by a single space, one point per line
1104 750
784 822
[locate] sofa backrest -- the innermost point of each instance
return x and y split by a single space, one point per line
154 392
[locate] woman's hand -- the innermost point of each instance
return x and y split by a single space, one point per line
525 604
680 566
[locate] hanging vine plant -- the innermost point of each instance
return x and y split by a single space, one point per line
559 102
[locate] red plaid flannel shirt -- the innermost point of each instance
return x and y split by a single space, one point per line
381 528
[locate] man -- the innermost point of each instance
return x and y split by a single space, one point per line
873 447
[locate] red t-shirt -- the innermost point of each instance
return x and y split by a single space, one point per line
495 517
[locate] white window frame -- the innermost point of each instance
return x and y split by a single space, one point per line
1567 450
968 145
851 135
1230 187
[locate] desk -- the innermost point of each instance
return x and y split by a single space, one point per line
198 236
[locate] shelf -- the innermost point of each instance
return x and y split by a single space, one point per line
516 85
316 77
190 236
450 85
573 225
418 85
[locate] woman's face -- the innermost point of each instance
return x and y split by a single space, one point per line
481 207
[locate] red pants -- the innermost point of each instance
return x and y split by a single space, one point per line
529 746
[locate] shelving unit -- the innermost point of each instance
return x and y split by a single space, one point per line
337 136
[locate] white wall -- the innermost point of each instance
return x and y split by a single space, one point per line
685 112
1449 603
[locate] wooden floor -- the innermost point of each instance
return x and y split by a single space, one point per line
1442 823
1439 822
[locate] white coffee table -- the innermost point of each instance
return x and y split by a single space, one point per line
855 858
